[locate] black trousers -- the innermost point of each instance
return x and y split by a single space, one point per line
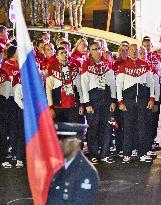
3 128
68 115
20 148
135 119
119 134
99 131
12 121
152 125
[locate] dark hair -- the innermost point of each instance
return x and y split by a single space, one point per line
146 38
126 43
11 51
39 42
94 42
2 28
59 49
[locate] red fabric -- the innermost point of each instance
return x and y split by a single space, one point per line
135 69
154 58
98 69
12 69
50 61
44 158
2 45
40 59
3 76
117 64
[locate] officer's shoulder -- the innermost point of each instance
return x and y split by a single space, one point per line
84 162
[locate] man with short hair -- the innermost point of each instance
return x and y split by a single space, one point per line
99 96
63 88
76 183
133 82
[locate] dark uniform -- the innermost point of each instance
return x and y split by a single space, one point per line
75 183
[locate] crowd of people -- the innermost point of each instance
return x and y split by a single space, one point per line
40 10
83 82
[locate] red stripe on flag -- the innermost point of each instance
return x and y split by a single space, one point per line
44 158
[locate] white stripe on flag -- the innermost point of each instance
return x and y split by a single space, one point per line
22 36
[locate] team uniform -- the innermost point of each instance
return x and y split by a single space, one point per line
99 91
63 88
154 60
119 134
135 87
12 69
75 183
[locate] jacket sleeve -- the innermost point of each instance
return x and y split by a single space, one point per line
18 97
150 83
120 86
85 87
112 82
49 88
156 87
79 87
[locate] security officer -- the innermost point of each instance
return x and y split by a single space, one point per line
77 182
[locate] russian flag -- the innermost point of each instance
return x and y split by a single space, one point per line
44 156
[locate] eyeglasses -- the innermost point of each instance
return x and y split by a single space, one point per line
96 49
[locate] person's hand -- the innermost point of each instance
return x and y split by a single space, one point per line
122 107
112 107
150 104
81 110
52 111
90 109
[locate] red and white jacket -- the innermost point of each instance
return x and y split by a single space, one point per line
133 81
91 72
155 60
80 57
60 76
5 84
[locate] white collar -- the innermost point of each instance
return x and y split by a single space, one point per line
67 163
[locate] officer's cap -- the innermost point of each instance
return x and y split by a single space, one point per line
70 130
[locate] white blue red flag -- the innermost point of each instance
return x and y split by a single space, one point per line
44 156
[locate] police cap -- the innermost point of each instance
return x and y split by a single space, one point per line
70 130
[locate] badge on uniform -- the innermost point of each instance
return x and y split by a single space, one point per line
101 82
68 89
86 185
